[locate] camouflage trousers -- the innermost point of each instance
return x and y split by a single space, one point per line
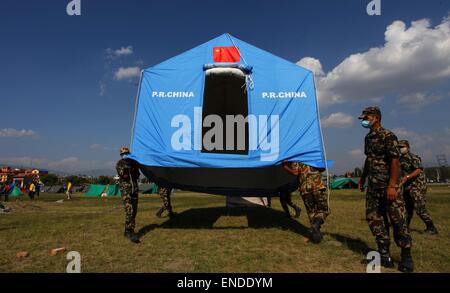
130 204
415 200
316 204
164 194
381 213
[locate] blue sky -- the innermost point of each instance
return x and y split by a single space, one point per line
68 83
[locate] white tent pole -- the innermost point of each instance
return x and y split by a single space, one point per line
323 144
136 100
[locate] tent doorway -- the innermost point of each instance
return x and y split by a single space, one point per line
225 99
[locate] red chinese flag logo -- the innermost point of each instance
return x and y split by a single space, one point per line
226 54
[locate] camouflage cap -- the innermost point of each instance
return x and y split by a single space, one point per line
372 110
124 151
403 143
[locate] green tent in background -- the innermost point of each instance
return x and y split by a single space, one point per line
16 192
98 189
95 190
152 189
114 190
344 183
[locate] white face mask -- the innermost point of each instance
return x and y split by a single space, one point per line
403 151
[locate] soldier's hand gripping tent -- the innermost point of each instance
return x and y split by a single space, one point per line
221 118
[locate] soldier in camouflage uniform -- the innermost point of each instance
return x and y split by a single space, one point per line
128 171
313 193
164 194
384 202
414 186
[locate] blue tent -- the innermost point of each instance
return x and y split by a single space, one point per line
187 129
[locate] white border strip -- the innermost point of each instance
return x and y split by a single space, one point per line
136 100
323 143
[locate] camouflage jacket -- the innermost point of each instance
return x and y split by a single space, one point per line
309 178
380 147
128 171
409 163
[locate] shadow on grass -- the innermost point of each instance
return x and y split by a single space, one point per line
204 218
258 218
418 231
356 245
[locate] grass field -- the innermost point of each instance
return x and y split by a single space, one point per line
205 236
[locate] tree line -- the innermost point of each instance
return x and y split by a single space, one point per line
52 179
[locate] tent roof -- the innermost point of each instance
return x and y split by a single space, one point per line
281 88
98 189
16 192
342 182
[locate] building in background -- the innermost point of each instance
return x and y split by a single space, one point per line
19 175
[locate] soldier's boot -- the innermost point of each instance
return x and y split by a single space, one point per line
160 212
297 209
316 235
431 229
172 214
408 222
131 235
385 256
170 210
406 264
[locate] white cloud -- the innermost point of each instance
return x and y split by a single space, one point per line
11 132
415 139
416 101
127 73
356 154
426 145
66 163
23 161
100 147
102 88
74 164
412 60
312 64
338 120
97 146
346 161
123 51
402 132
